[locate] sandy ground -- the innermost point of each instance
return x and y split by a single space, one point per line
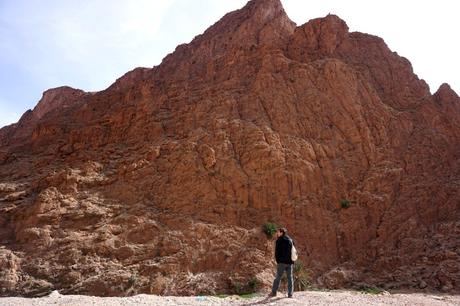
300 298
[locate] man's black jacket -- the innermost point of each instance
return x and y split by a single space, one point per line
283 250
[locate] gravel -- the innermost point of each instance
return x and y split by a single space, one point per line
300 298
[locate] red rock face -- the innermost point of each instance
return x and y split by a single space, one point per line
54 101
161 183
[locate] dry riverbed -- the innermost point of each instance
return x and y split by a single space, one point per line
351 298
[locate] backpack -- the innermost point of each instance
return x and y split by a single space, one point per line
293 253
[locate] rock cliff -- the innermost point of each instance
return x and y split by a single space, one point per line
161 183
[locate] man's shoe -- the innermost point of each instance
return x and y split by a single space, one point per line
290 296
272 294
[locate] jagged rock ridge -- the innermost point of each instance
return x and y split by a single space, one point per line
161 182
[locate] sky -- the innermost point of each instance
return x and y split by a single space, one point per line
88 44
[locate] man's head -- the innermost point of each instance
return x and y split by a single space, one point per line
281 231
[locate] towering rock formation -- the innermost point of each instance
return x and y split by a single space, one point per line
161 182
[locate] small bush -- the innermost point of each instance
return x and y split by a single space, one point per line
344 203
302 279
253 284
237 288
248 295
269 228
132 280
370 290
249 288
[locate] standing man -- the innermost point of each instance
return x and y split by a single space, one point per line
284 262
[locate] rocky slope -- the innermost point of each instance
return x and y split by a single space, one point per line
161 183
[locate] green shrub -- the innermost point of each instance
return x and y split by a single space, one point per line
344 203
250 287
370 290
253 284
237 288
249 295
269 228
132 280
302 279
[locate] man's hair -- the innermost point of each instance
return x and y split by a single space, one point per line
283 230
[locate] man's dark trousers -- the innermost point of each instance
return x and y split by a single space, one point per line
280 268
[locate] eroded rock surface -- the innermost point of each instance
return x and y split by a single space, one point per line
161 183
